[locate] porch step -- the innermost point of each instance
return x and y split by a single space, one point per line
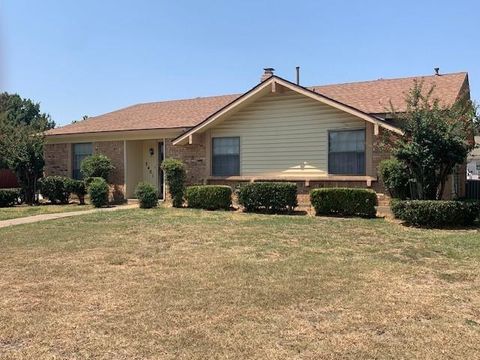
132 201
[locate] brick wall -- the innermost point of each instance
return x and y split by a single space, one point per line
114 151
57 159
194 157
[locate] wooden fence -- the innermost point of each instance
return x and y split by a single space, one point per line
473 189
7 179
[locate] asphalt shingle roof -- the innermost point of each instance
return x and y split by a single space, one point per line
372 97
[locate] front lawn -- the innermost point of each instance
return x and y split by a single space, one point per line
27 210
190 284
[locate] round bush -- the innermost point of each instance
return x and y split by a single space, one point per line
209 197
55 188
436 213
8 197
98 191
394 175
344 202
175 176
272 197
147 195
97 165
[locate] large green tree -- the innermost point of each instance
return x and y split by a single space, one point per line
435 139
22 125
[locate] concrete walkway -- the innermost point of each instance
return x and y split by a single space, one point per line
45 217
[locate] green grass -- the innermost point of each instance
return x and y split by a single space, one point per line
191 284
27 210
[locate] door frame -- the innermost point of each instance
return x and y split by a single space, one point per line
161 174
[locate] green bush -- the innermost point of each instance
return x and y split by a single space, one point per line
79 188
436 213
97 165
147 195
209 197
175 176
272 197
394 175
55 188
98 191
8 197
344 202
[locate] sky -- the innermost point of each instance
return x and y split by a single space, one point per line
90 57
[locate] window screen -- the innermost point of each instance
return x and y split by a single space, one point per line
346 152
80 152
225 156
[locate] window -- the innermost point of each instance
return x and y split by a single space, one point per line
346 152
80 152
225 156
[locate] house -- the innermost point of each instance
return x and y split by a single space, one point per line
473 162
278 130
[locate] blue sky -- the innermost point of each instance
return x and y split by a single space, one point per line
91 57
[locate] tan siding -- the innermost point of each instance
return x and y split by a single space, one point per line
285 135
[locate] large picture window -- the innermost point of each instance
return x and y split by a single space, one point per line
225 156
346 152
80 152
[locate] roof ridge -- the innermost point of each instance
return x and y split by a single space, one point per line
387 79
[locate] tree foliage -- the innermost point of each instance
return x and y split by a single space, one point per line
21 140
435 139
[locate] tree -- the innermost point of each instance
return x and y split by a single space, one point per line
21 140
435 139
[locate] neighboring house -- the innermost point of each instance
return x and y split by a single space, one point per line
473 162
278 130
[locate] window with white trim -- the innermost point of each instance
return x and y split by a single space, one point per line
346 152
225 156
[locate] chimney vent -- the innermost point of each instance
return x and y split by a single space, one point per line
437 71
298 75
268 73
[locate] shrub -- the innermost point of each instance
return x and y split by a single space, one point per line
268 196
147 195
55 188
436 213
8 197
97 165
79 188
394 175
344 202
98 190
175 176
209 197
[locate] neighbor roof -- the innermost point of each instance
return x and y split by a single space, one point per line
372 97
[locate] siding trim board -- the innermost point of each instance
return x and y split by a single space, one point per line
265 87
288 143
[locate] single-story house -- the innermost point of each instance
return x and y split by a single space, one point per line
278 130
473 162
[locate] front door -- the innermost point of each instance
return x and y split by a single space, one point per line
161 157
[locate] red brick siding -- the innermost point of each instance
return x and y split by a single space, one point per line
57 159
194 157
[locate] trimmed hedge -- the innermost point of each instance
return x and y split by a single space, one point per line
147 195
272 197
55 188
394 175
98 190
8 197
175 176
344 202
436 213
97 165
209 197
